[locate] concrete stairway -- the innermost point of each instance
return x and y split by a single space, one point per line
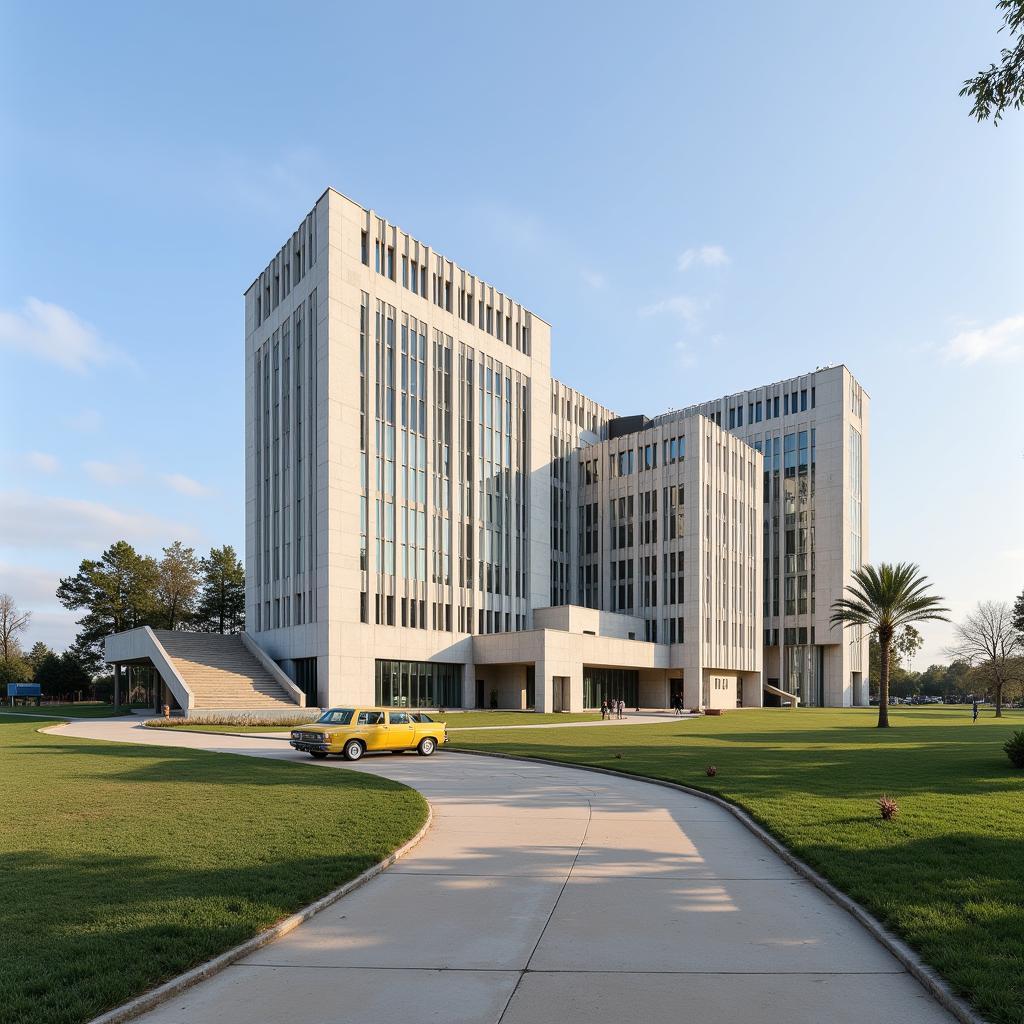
222 673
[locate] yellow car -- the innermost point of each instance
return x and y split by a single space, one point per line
354 731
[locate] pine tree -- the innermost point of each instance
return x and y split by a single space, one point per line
221 606
116 592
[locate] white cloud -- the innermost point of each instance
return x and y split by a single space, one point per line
594 279
1002 341
112 473
28 585
42 462
186 485
50 332
685 307
704 256
31 521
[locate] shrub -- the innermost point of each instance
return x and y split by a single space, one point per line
888 808
711 771
1014 748
298 717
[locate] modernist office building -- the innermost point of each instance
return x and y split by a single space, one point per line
431 519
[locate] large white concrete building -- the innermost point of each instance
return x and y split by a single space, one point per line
433 520
427 507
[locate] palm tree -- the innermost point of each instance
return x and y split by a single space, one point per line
886 599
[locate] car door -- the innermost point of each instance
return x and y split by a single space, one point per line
372 730
401 731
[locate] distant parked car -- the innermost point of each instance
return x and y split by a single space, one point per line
354 731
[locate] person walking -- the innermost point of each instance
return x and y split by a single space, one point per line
622 708
604 710
974 709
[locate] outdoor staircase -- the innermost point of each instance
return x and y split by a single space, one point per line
222 673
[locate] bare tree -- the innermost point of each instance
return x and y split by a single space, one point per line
12 622
988 641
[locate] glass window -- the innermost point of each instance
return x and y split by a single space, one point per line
399 717
336 716
369 718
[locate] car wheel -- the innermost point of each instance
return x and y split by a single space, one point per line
427 746
353 750
318 754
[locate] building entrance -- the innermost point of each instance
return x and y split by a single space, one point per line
675 692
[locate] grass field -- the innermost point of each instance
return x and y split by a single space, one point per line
455 720
947 874
476 719
89 710
123 865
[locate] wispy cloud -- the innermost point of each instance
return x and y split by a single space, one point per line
703 256
112 473
30 585
186 485
52 333
42 462
593 279
683 307
34 521
1001 342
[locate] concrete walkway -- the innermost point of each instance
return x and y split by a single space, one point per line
547 894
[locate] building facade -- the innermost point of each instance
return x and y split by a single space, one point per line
813 431
433 520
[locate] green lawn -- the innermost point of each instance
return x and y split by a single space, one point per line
947 874
85 710
124 865
475 719
455 720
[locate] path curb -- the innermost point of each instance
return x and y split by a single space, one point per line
169 989
930 979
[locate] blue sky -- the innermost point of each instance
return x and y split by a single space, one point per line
837 203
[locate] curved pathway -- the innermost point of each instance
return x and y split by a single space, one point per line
547 894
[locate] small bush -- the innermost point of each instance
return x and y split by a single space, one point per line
888 808
711 771
1014 748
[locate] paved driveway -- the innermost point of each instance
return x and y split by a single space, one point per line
546 894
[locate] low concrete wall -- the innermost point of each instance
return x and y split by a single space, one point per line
275 670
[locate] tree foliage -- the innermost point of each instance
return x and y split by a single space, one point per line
1018 613
1001 86
62 675
124 589
117 592
13 622
221 606
177 586
887 600
988 640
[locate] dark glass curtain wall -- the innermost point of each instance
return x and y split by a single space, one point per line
418 684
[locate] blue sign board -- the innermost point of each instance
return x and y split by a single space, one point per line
24 690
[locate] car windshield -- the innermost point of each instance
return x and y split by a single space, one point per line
336 716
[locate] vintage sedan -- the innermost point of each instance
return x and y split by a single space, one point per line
354 731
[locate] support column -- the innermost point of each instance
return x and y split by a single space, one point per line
117 685
575 695
543 695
